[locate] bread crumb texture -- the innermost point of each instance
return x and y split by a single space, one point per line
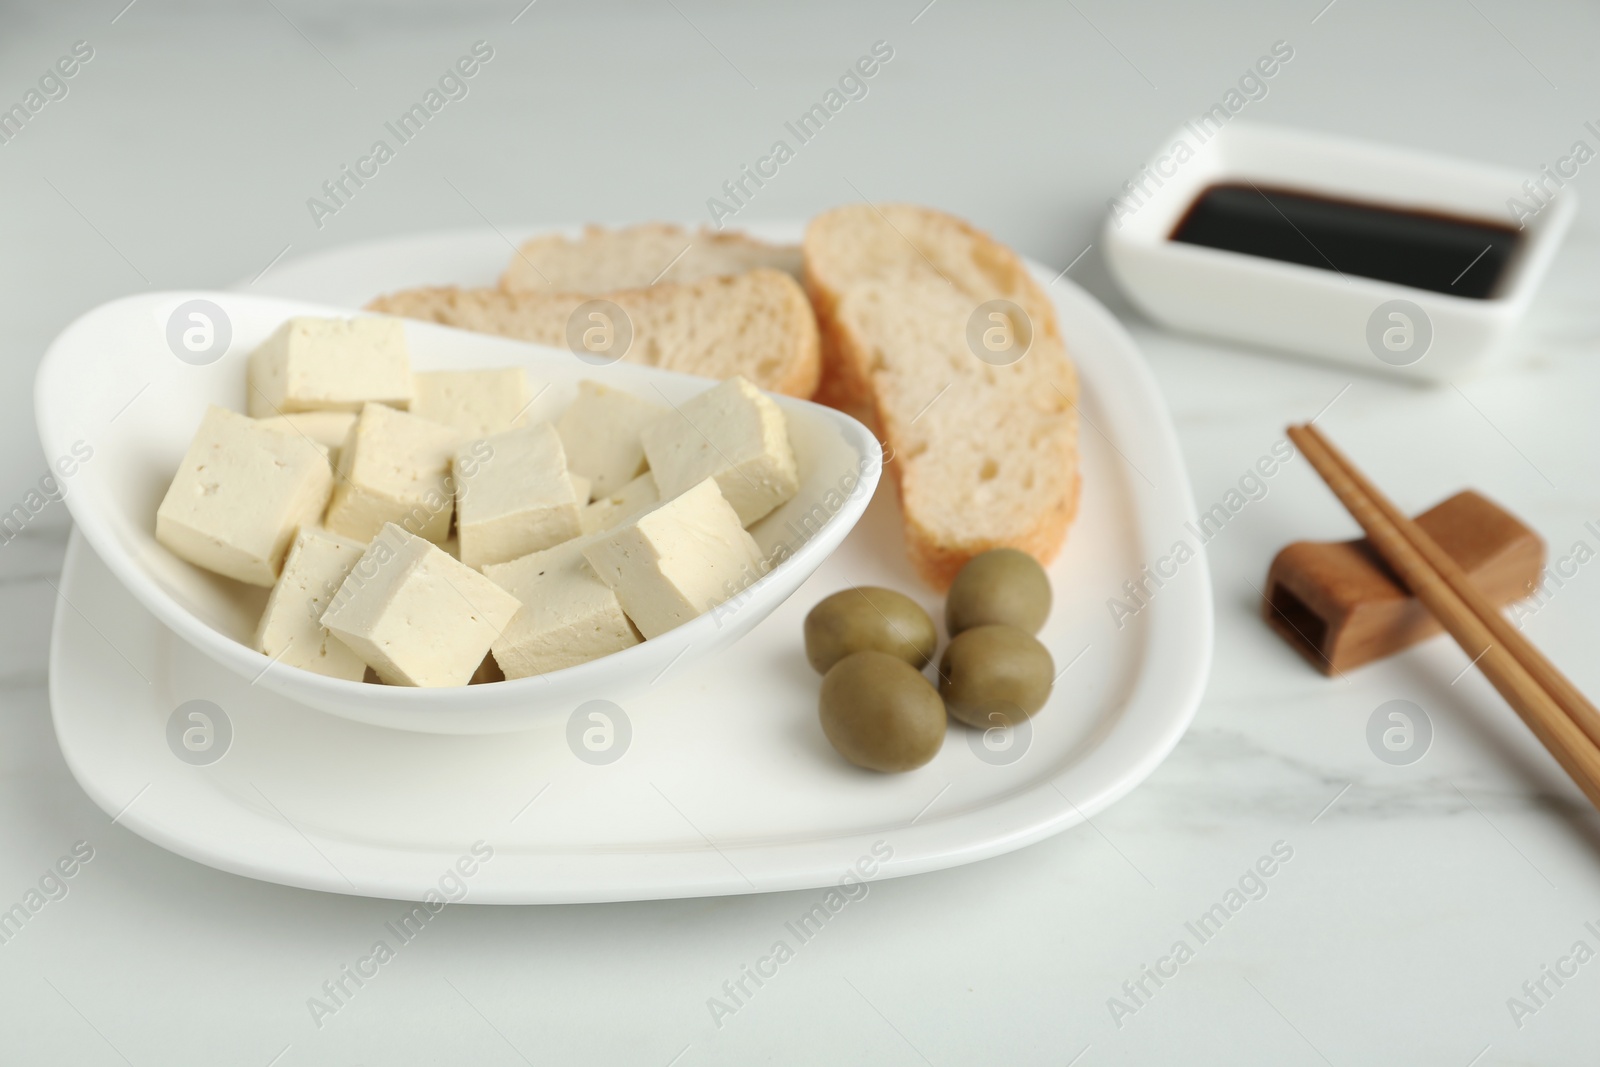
984 455
757 324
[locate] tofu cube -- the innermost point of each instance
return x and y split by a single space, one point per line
569 616
394 467
416 616
326 428
514 495
601 434
240 494
616 508
476 402
330 365
672 564
291 629
733 433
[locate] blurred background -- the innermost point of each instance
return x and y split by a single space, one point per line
184 153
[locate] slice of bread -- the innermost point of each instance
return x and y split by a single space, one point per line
984 455
757 324
638 256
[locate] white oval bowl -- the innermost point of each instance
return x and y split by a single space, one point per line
111 386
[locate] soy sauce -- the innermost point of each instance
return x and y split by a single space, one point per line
1438 252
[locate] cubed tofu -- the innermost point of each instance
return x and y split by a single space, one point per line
240 494
326 428
514 495
677 561
601 434
394 467
733 433
616 508
580 488
330 365
416 616
291 629
569 616
476 402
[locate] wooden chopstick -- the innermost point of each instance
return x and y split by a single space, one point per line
1545 714
1576 706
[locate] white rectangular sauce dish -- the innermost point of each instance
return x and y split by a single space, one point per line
1322 311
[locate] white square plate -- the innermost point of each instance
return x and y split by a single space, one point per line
726 783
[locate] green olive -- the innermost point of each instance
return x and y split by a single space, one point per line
1000 587
865 617
881 713
994 673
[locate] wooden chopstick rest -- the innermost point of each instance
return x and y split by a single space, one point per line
1562 719
1373 510
1341 606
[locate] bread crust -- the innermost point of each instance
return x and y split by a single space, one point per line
938 562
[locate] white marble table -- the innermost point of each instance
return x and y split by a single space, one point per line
1416 900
